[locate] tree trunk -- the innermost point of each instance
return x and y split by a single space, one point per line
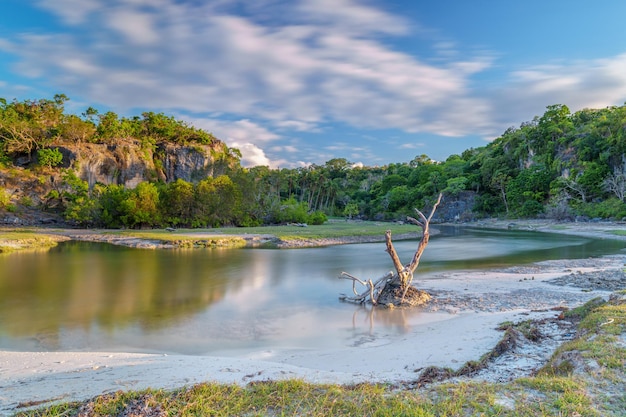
393 288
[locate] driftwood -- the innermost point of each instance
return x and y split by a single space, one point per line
394 288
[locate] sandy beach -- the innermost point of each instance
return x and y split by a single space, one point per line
464 317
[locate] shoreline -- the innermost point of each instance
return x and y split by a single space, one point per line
469 305
190 238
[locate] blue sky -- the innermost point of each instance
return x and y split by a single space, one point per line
295 82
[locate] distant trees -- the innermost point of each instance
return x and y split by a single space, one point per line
558 164
615 182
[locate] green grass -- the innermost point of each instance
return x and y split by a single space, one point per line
16 240
332 229
558 227
572 391
224 237
329 230
188 240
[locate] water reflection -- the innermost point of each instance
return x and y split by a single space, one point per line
98 296
367 317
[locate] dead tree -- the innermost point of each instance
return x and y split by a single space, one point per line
395 288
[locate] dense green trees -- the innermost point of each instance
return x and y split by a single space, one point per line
558 165
26 126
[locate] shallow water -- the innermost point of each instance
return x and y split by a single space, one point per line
89 296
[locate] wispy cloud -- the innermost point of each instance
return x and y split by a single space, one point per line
287 67
412 145
578 84
73 12
322 61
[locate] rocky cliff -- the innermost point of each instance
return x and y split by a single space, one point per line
128 162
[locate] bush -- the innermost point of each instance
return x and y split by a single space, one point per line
559 208
292 211
530 208
5 161
49 157
26 201
610 208
5 198
317 218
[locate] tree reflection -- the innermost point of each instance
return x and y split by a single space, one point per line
82 285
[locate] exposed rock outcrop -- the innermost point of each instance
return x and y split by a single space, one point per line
129 162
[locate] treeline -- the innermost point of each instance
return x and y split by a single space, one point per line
211 202
559 165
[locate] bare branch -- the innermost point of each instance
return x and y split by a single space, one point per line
345 275
373 288
425 237
414 221
392 252
406 288
432 212
371 285
423 218
354 279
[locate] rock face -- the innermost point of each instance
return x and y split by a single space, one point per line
188 163
457 208
128 162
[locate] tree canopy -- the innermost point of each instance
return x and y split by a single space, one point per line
560 165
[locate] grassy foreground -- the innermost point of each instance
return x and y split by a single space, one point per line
585 377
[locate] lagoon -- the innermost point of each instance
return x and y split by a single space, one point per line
98 297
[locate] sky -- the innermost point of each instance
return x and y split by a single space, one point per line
297 82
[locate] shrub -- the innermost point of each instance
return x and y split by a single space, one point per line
530 208
49 157
292 211
610 208
27 201
317 217
5 198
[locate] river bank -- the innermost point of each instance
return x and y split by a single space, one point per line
284 237
334 232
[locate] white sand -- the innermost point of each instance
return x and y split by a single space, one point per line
459 333
44 376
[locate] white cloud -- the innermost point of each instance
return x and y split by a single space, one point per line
137 27
412 145
71 11
242 130
580 84
285 148
291 66
296 125
353 16
244 135
252 155
315 62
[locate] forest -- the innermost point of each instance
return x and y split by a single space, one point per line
560 165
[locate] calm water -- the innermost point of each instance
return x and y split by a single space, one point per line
87 296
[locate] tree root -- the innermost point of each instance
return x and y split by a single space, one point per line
386 291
